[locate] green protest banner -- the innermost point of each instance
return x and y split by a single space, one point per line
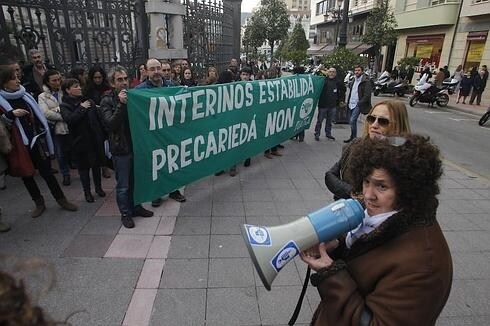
182 134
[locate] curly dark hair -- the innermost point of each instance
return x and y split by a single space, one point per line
16 307
414 165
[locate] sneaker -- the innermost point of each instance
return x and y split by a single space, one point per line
247 162
66 180
269 155
330 137
177 196
65 204
142 212
127 221
156 202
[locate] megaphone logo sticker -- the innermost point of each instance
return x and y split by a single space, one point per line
258 236
285 255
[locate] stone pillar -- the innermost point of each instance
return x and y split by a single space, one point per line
166 29
236 6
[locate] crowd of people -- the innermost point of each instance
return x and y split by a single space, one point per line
394 265
81 120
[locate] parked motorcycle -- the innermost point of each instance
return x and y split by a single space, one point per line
385 85
425 92
485 117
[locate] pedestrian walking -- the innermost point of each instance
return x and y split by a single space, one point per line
333 94
479 84
114 116
465 87
359 99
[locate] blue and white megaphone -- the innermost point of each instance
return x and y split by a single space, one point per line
271 248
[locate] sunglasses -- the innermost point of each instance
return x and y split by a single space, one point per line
383 122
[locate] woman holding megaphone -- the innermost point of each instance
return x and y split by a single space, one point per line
395 268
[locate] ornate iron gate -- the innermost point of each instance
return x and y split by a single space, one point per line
208 32
73 32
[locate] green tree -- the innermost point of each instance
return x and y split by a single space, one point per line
409 61
254 35
343 60
273 18
380 29
296 45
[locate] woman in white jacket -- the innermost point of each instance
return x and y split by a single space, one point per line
49 101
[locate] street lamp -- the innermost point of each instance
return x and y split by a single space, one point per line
343 27
340 15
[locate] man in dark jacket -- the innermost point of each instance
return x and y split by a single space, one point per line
32 74
333 94
114 115
359 99
159 75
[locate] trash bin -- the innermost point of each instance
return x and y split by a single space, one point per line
342 115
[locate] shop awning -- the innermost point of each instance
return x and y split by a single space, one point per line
361 48
320 49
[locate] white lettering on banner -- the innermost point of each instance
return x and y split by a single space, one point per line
224 98
279 120
177 156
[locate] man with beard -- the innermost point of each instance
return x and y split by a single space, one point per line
159 75
114 115
33 74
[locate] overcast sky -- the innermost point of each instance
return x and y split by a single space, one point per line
248 5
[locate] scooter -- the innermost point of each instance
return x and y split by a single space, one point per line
385 85
485 117
426 92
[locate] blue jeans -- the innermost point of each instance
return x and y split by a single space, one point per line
60 146
354 114
327 114
123 166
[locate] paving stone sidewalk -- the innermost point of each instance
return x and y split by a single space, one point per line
188 265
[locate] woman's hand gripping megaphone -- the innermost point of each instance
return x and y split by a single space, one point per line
317 256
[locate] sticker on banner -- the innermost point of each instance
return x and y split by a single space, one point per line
258 236
285 255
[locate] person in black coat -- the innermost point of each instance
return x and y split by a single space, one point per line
87 135
96 84
479 83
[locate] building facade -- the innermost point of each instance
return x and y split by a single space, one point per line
444 32
326 17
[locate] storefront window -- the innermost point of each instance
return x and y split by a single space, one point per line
474 49
426 47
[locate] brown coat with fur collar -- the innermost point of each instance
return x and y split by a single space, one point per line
399 274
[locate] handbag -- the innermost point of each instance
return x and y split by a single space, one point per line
5 144
19 160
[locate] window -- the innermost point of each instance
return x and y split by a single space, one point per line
479 1
437 2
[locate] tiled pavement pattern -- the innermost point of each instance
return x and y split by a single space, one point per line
188 265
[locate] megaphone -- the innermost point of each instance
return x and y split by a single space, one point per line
271 248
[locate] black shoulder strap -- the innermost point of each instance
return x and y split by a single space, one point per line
301 297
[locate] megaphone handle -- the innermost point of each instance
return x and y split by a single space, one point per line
301 297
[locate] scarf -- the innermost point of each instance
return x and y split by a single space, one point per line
369 223
21 93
